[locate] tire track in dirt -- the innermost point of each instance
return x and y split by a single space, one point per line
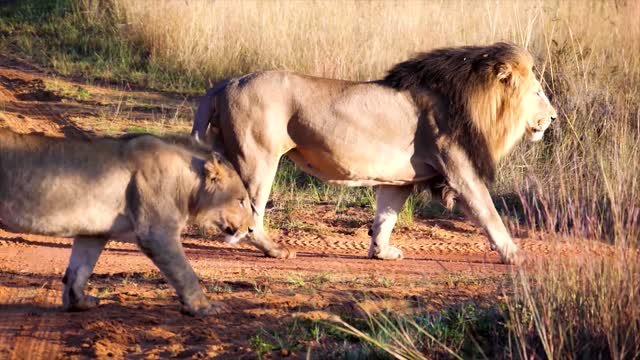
43 330
426 246
30 324
9 239
415 244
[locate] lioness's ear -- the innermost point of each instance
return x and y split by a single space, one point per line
504 72
214 171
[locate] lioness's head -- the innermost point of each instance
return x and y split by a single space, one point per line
223 201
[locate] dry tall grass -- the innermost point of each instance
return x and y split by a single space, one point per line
360 40
577 308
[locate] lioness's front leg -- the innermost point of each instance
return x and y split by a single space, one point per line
389 202
84 255
476 203
165 250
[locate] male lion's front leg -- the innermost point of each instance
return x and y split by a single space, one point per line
480 208
476 202
84 255
389 202
165 250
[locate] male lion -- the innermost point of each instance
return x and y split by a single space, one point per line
139 188
442 119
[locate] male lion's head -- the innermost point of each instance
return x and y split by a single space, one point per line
490 89
223 200
538 111
511 95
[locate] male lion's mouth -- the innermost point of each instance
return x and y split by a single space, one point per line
535 133
537 136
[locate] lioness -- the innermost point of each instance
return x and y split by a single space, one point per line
141 189
442 119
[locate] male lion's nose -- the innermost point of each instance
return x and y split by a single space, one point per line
250 230
554 117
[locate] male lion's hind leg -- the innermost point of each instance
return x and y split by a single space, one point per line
389 202
166 252
84 255
261 240
259 189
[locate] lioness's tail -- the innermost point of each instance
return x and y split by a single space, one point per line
207 111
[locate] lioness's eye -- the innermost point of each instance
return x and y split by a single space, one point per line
241 203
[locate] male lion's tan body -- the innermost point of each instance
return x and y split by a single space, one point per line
443 119
335 151
141 189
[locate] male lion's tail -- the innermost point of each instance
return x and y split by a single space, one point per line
207 111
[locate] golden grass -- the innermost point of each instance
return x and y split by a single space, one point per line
361 40
568 308
560 308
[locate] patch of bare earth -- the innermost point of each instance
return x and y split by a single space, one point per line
448 261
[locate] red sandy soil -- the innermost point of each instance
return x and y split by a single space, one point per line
448 260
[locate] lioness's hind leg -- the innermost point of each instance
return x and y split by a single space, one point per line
389 202
166 252
84 255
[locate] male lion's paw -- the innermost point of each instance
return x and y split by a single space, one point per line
512 257
281 253
87 302
390 253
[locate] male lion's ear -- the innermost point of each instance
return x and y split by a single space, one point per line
214 171
504 73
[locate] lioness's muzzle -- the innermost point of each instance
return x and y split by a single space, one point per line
234 238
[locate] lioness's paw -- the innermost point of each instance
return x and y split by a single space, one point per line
281 253
217 307
85 303
390 253
213 308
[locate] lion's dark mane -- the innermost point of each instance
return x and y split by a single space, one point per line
449 73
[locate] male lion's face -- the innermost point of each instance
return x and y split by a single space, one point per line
224 201
539 111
